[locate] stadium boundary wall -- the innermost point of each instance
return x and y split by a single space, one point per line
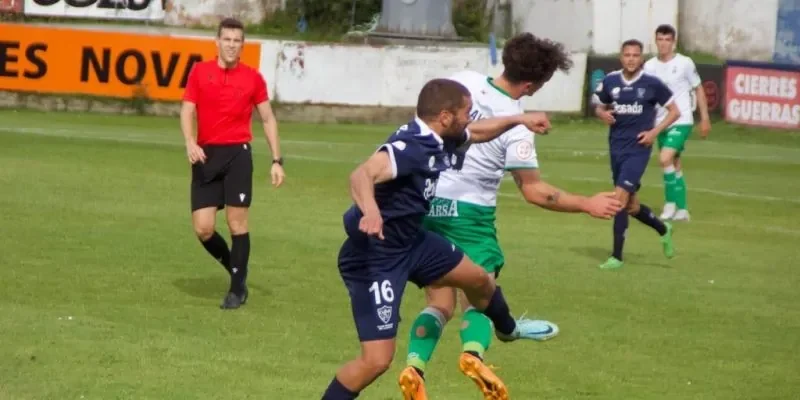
71 65
95 69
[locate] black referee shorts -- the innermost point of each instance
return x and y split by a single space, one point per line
226 178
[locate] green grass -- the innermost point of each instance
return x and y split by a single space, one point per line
106 294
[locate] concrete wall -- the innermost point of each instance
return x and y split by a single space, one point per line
207 12
598 26
736 29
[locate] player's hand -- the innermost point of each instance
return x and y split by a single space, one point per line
536 122
603 205
647 138
606 116
194 152
372 225
705 127
277 175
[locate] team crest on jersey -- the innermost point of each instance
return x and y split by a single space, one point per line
432 162
524 151
615 92
640 92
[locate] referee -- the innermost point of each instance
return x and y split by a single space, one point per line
221 93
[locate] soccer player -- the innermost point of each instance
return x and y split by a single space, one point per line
680 74
386 245
463 210
222 93
627 100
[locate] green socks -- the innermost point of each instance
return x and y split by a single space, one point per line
680 191
425 334
476 332
670 185
476 335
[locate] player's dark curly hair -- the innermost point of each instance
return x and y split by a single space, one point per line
528 58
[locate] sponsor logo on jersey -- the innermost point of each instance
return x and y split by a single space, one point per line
628 109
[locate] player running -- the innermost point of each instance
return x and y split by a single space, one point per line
680 75
627 100
386 244
463 210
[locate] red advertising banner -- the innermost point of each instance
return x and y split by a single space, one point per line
11 6
762 94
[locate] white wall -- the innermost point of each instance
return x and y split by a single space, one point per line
598 26
208 12
390 76
568 22
735 29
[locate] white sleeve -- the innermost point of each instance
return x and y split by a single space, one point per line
691 74
520 149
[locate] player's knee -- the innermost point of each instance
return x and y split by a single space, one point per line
482 284
446 310
237 226
666 159
377 363
633 206
204 231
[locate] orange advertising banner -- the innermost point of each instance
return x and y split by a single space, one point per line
101 63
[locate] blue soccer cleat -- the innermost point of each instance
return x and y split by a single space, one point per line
531 329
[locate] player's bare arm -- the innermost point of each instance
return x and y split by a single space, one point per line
603 110
270 125
702 104
673 113
537 191
194 152
488 129
377 169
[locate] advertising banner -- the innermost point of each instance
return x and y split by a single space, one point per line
145 10
101 63
762 94
712 75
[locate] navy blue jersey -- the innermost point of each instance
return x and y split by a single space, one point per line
417 155
634 105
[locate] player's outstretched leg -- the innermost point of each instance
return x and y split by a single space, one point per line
376 357
620 227
682 214
424 336
482 292
646 216
670 190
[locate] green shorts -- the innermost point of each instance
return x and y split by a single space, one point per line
674 137
471 228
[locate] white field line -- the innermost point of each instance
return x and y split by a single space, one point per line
576 151
148 140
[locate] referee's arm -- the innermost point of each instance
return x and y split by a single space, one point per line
188 111
270 124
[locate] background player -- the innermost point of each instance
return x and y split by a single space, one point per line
680 74
222 163
627 102
386 245
463 210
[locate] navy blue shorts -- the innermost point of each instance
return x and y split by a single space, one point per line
376 276
627 170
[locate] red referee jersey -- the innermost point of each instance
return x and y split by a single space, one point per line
225 99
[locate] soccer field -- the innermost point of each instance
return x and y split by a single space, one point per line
106 293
